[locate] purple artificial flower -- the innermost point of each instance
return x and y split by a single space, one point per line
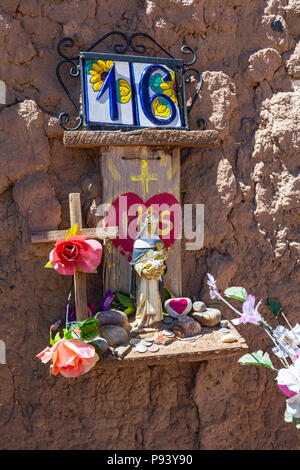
250 313
107 301
213 289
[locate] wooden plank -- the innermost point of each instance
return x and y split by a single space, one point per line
207 347
79 278
149 137
53 235
145 172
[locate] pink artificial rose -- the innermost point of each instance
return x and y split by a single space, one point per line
76 252
70 357
287 391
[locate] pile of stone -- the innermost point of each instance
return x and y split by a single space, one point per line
186 319
114 330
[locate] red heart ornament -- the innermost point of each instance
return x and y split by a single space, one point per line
178 305
124 211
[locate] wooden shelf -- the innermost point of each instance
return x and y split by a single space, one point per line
207 347
143 137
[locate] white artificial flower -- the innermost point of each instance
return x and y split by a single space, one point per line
288 336
293 406
290 377
289 350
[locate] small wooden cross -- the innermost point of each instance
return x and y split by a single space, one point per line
54 235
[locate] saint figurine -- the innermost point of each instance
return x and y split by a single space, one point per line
148 257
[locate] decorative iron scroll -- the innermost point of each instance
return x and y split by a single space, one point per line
127 43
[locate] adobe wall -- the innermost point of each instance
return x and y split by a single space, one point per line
249 185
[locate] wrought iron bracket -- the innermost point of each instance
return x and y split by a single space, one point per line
128 43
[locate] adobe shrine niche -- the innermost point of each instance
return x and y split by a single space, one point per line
134 108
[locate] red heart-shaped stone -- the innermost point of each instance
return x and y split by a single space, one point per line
118 212
178 305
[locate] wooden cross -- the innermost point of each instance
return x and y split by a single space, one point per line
54 235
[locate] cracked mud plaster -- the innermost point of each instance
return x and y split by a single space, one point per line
249 185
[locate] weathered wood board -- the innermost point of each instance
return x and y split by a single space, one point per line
145 172
206 347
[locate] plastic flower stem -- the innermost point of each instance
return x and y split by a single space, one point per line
284 361
266 327
227 303
290 326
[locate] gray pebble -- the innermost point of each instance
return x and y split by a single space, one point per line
223 330
168 333
153 348
114 334
199 306
135 341
121 351
100 343
167 319
141 348
150 340
146 343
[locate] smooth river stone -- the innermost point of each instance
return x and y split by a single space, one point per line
211 317
154 348
190 328
135 341
167 320
121 351
114 334
100 343
229 338
113 317
178 307
199 306
224 330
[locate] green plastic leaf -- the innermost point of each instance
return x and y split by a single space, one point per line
274 306
67 334
238 293
124 299
155 82
258 358
48 265
131 309
75 230
56 338
89 329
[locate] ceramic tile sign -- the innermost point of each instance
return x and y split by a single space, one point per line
131 92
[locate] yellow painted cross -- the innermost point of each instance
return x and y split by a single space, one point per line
144 177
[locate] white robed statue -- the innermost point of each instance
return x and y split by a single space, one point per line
149 254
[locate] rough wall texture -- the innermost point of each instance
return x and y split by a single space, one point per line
250 187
